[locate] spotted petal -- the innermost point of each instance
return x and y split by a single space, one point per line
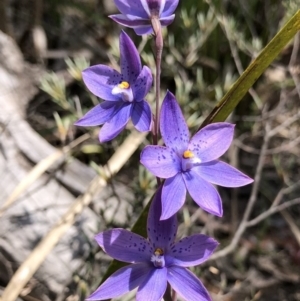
187 285
212 141
142 84
173 127
130 61
161 233
161 161
121 282
192 250
124 245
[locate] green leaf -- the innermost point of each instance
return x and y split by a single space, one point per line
254 71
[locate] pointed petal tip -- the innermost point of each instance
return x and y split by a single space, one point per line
173 127
167 215
216 213
83 122
77 123
124 35
169 94
104 138
248 181
215 242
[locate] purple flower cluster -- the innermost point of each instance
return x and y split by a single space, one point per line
123 92
187 164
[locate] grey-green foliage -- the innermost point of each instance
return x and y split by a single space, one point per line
199 63
291 7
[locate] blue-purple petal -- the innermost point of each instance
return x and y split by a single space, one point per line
212 141
187 285
121 282
131 7
100 80
153 7
203 193
173 127
141 116
132 22
153 286
221 173
165 21
117 123
142 30
130 61
161 161
161 233
169 7
124 245
173 196
99 114
192 250
142 84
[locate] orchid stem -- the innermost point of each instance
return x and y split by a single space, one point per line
159 48
159 43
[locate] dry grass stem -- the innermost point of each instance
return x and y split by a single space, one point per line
38 170
38 255
252 200
290 221
271 211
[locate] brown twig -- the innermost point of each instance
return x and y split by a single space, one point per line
271 211
294 228
292 63
252 200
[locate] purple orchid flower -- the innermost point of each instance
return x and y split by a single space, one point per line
155 261
137 14
124 93
190 164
